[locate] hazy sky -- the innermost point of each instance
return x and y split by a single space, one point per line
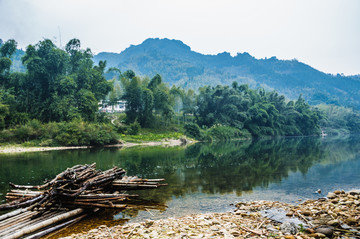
322 33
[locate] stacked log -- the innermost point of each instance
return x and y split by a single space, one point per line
135 183
68 197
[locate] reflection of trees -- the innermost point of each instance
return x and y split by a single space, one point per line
228 167
209 168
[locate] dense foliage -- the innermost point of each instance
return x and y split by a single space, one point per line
73 133
146 98
179 65
258 111
58 85
55 101
339 120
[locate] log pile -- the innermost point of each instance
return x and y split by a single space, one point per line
66 197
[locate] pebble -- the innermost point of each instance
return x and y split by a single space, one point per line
326 215
289 228
327 231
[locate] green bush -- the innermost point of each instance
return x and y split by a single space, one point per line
6 136
221 132
30 131
46 142
134 128
76 132
193 130
121 129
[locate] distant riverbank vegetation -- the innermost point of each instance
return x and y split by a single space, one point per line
55 101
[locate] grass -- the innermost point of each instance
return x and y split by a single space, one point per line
146 135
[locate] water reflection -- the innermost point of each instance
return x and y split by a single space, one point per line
206 177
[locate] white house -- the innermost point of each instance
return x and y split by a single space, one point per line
119 107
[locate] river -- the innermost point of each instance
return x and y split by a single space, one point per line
206 177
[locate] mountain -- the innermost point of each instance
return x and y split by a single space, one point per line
179 65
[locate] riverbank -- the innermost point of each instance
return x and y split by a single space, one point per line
337 216
9 149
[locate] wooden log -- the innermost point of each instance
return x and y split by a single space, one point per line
13 213
59 176
26 203
55 228
14 198
26 223
15 224
23 194
45 223
26 191
100 199
94 205
103 195
8 224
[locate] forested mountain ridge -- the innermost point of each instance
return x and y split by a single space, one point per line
179 65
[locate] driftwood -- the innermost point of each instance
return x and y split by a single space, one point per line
45 223
21 203
77 189
55 228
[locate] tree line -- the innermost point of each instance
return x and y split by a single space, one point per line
64 85
58 85
238 108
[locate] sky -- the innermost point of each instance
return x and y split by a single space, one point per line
322 33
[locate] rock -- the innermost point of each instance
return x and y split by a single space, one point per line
333 223
354 192
306 213
235 233
331 195
183 235
310 231
335 201
149 223
214 228
327 231
351 221
289 237
337 191
170 233
317 235
289 228
318 191
337 209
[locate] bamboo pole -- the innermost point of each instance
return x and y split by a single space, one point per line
55 228
13 213
104 195
45 223
22 204
98 205
10 220
25 222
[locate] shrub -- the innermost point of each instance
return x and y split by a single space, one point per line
134 128
76 132
193 130
221 132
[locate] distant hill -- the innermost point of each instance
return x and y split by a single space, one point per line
179 65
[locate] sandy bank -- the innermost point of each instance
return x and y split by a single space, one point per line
20 149
337 216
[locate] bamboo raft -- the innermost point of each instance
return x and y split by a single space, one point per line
68 198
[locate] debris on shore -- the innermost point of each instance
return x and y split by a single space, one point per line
66 199
337 216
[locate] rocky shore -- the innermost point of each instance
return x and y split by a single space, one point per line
337 216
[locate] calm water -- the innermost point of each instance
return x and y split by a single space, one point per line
208 177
